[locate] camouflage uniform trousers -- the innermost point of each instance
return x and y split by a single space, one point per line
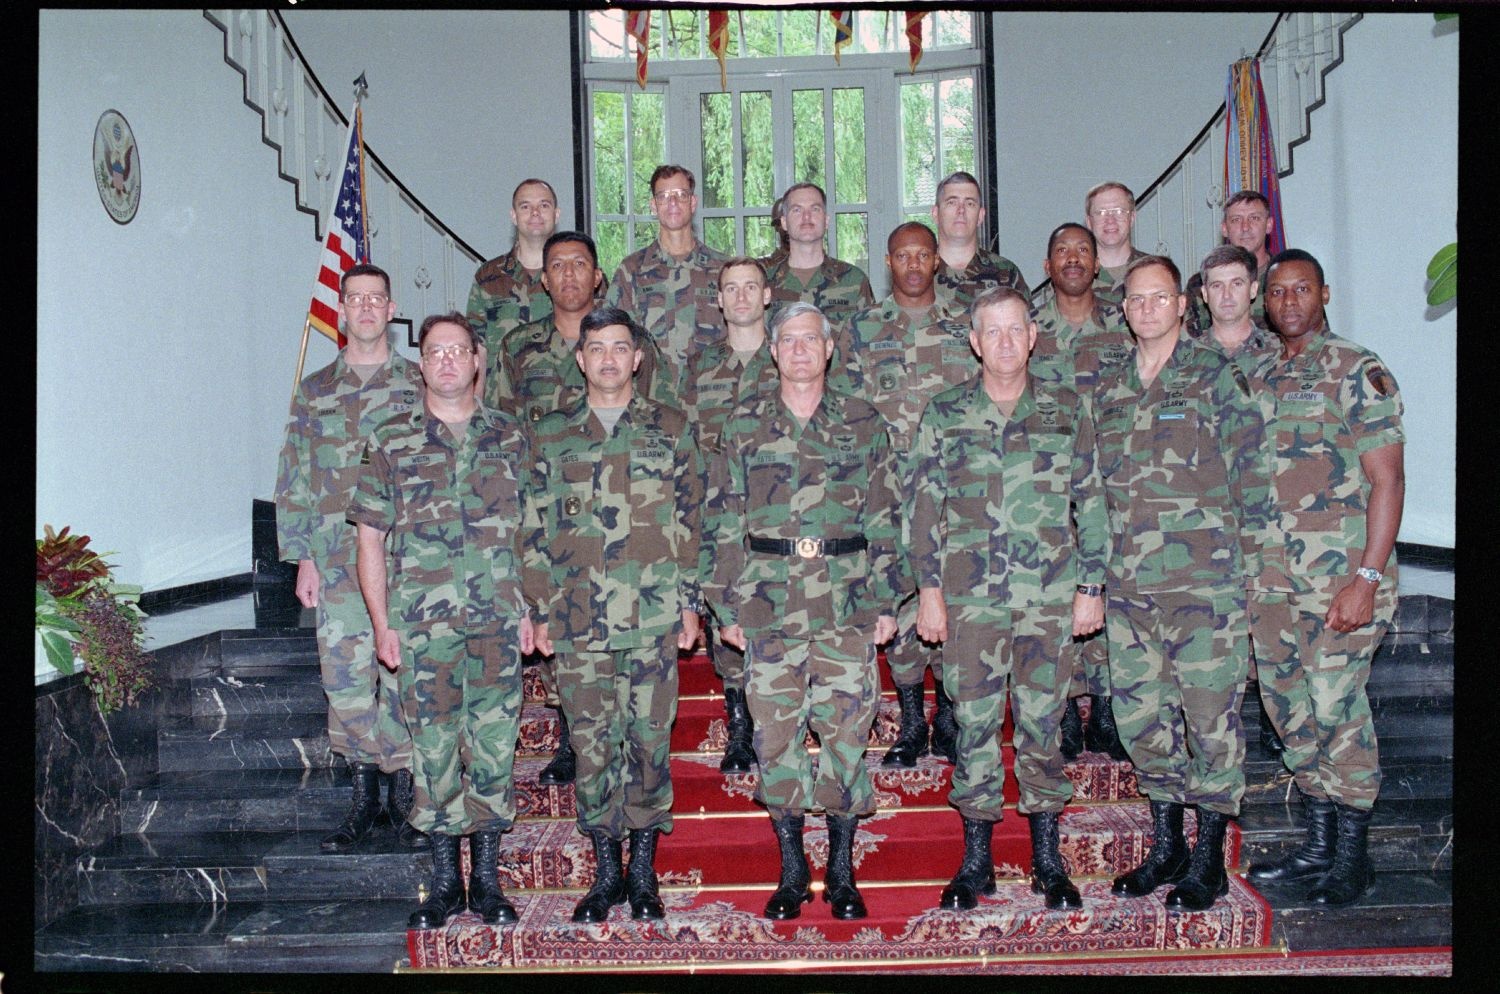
907 655
985 647
620 706
365 720
828 685
1312 682
1178 666
728 662
461 688
1087 661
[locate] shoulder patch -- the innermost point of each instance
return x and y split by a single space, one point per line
1379 379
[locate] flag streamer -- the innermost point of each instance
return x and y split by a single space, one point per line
638 26
1249 150
843 30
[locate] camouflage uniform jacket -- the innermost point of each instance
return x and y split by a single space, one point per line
1182 470
839 289
899 365
1107 287
453 510
986 269
615 543
1261 344
990 498
1325 408
833 478
506 295
1065 354
536 372
1199 318
332 415
676 300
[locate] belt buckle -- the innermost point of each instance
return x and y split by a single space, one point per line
809 548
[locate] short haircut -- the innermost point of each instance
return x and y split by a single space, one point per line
452 317
1094 191
527 182
742 260
1057 232
1295 255
364 269
909 226
1229 255
605 317
1248 197
665 171
803 186
561 237
1154 260
954 177
994 297
797 309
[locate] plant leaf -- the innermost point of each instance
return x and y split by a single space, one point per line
59 651
1445 288
1445 257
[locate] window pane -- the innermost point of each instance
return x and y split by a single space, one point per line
609 238
918 145
717 184
853 239
760 31
925 217
957 96
799 31
718 233
609 152
809 137
760 238
648 148
872 31
849 145
953 29
645 234
606 34
755 149
683 33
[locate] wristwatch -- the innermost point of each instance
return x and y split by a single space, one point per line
1091 589
1367 573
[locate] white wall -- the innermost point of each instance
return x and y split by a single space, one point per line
1374 193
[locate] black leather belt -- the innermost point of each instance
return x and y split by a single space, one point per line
809 548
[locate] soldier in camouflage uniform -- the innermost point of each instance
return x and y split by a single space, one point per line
964 269
805 579
1178 437
897 356
1248 222
332 413
807 272
1326 592
1109 209
616 595
999 465
668 286
508 289
718 380
440 507
1078 333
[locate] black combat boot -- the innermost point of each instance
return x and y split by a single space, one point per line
485 896
911 740
640 877
838 880
564 763
739 753
1166 862
362 810
399 798
944 727
1102 735
445 893
1313 858
1072 731
976 874
1270 742
1049 877
609 881
1351 876
794 890
1205 880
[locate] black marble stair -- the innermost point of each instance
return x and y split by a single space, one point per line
296 692
1405 908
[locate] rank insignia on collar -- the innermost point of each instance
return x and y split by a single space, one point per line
1241 382
364 457
535 412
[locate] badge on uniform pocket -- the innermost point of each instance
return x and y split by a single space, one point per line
572 506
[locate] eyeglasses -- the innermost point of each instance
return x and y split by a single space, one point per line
672 196
1111 211
354 301
1255 218
453 353
1159 299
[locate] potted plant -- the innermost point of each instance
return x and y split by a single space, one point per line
83 615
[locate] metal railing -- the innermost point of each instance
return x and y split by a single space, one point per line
431 268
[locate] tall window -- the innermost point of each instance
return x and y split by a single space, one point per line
876 136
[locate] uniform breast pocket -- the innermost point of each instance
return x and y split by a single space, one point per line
1303 430
1052 461
768 479
890 376
1175 436
653 462
1111 434
497 484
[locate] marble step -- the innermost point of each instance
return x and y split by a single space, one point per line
267 651
272 693
209 867
329 935
1404 909
1413 835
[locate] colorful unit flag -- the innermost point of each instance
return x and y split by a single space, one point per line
718 41
345 243
843 29
1249 151
638 26
914 35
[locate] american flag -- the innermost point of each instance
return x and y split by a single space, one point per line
345 242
